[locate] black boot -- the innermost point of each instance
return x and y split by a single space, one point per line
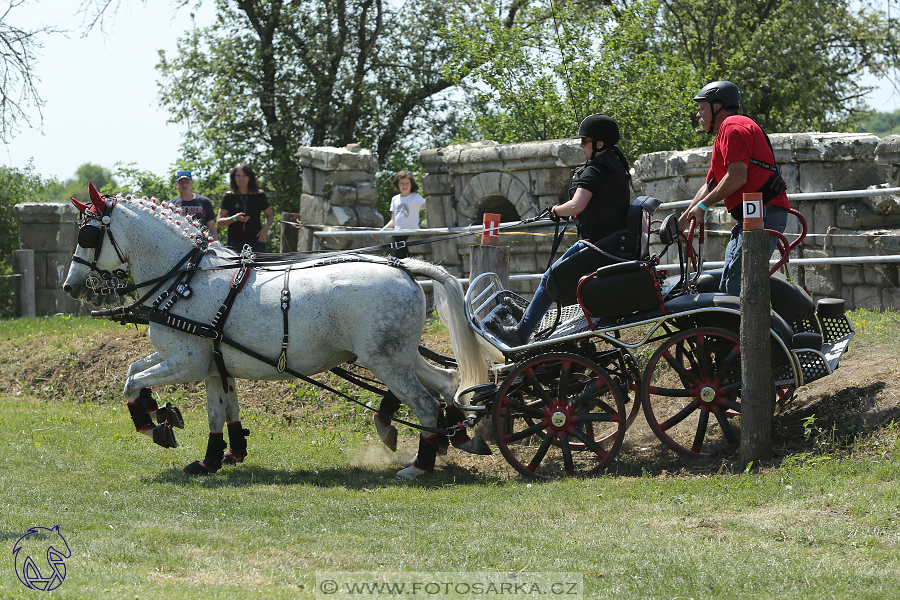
514 310
510 335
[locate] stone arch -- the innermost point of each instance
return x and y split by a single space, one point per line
491 185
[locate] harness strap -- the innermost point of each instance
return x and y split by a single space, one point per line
222 315
285 306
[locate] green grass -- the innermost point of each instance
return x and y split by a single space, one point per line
317 495
817 527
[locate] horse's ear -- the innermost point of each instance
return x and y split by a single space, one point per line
81 207
96 199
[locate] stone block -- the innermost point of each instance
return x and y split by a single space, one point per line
434 209
824 280
867 296
353 178
446 253
57 270
837 176
46 212
40 269
846 295
823 217
337 159
523 263
312 210
48 237
881 275
366 193
548 181
49 301
341 195
890 299
367 216
808 209
434 183
888 150
852 275
313 181
341 216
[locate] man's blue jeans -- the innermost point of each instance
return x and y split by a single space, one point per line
774 217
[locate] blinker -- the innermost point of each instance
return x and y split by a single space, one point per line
89 236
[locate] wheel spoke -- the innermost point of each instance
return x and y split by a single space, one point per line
541 452
536 387
564 380
686 375
735 354
733 405
605 417
529 409
525 433
671 393
727 430
590 443
702 425
681 416
592 389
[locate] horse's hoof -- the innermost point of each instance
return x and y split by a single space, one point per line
411 472
387 433
232 459
198 468
476 445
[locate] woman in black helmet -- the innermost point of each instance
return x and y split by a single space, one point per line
599 197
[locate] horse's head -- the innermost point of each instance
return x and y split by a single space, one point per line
98 263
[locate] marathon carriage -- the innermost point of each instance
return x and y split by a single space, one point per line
562 403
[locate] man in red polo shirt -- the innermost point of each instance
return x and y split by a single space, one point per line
742 162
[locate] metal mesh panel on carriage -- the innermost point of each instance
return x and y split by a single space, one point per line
835 328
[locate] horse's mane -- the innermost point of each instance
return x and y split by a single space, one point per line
187 226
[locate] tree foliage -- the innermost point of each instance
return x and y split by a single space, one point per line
271 75
798 63
77 186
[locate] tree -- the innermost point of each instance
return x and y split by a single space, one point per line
18 83
798 63
272 75
77 186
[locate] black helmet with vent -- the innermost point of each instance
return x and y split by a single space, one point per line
600 128
723 92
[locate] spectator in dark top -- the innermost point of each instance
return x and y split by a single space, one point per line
241 209
193 204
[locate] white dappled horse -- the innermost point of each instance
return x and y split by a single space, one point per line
364 308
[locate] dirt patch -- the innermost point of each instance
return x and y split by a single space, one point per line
862 396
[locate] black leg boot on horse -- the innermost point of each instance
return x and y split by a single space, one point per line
237 441
212 462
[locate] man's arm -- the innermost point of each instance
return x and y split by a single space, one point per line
733 181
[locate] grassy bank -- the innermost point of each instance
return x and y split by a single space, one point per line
318 495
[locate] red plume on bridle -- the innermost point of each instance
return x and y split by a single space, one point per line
99 205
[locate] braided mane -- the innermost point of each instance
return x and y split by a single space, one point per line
188 226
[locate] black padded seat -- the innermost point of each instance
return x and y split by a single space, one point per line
788 299
631 243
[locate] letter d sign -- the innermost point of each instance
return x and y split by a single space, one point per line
753 212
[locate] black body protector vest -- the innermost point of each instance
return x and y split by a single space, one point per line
606 212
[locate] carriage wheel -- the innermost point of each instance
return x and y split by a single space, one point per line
690 391
558 415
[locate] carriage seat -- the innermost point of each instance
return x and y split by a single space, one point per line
788 299
629 244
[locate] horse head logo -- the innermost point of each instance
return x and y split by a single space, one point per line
37 541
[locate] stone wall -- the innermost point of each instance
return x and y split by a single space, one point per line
844 227
51 230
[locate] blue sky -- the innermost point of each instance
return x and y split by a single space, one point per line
101 92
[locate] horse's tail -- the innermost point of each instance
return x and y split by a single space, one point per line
450 302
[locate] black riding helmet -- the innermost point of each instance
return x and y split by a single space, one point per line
600 128
723 92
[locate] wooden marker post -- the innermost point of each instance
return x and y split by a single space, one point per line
489 257
757 391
